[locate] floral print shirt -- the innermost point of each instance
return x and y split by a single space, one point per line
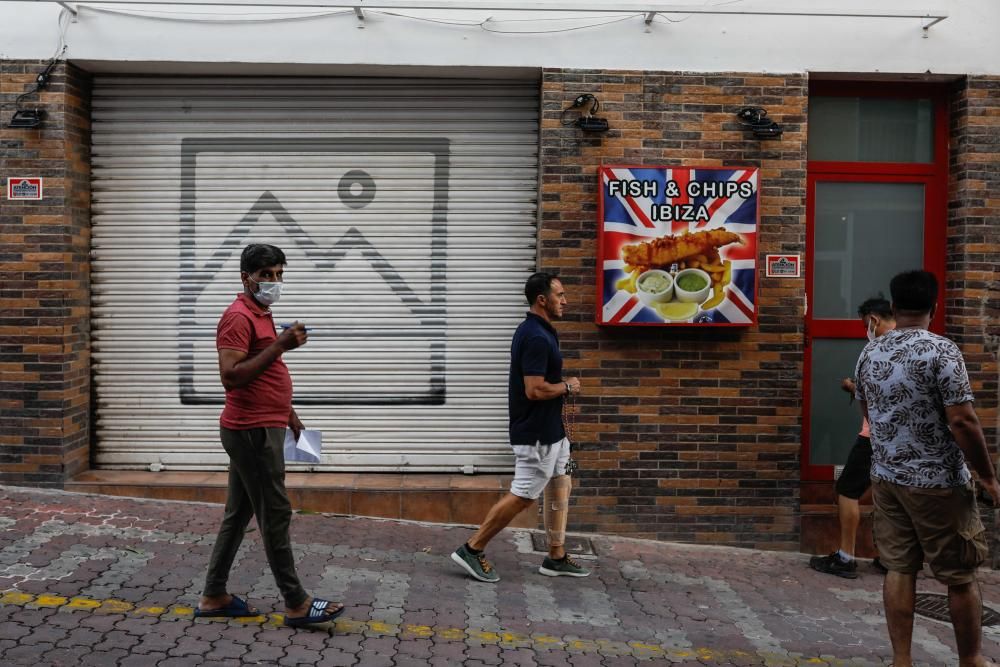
907 377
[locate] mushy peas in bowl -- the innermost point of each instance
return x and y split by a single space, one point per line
692 285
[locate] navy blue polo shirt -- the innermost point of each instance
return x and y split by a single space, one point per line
534 351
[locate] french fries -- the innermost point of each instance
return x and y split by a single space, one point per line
628 282
720 279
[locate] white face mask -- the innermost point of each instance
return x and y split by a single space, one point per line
267 293
871 331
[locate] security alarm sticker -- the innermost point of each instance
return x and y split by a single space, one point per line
677 246
783 266
24 188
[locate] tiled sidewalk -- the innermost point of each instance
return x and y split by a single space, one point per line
95 580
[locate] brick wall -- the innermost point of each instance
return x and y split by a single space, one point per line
689 435
973 288
44 282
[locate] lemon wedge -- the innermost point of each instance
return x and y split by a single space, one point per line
676 311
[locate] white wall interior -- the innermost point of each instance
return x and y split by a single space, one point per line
135 37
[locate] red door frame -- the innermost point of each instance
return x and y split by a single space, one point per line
933 176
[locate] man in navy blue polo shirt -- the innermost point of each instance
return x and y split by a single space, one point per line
535 391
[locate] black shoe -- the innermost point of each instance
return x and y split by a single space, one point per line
475 564
566 567
877 564
832 564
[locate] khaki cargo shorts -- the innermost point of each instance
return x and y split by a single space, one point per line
941 526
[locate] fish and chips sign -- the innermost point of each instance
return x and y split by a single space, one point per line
677 246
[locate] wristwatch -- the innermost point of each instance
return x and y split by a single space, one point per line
568 390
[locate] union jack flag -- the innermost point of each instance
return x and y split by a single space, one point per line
629 219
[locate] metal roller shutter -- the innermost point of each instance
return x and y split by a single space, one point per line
407 211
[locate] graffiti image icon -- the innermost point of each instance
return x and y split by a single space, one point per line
363 226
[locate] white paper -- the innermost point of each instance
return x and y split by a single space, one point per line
307 449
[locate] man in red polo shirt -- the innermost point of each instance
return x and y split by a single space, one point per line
258 409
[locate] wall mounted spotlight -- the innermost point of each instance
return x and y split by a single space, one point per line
26 118
586 121
29 118
755 118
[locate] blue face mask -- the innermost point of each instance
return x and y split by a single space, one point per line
267 293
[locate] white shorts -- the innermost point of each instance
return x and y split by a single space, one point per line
535 465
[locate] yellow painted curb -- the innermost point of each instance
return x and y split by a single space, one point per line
347 626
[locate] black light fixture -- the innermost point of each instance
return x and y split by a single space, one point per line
31 118
755 118
586 121
26 118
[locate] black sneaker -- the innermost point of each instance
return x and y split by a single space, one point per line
879 567
475 564
833 564
565 567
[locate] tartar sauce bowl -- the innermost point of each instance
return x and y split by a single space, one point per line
655 286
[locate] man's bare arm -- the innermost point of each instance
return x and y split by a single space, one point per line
537 389
237 370
295 424
968 432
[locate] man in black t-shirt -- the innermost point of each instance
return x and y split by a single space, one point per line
535 391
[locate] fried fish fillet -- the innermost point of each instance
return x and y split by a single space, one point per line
668 249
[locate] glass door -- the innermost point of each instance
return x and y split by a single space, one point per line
875 207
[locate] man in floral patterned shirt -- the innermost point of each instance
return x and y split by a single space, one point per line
915 392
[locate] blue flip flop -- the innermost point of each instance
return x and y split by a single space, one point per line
236 608
316 615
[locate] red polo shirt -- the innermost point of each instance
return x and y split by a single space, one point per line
267 401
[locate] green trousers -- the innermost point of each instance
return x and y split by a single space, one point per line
256 488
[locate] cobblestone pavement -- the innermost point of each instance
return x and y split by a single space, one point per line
96 580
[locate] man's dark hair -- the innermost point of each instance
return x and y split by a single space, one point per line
877 305
258 255
914 292
538 283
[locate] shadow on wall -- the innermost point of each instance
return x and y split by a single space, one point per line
990 317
